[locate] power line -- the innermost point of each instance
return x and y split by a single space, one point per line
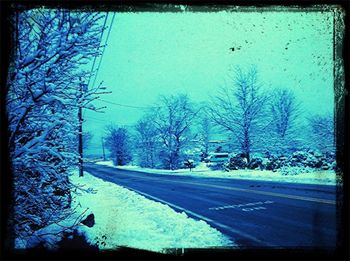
107 121
96 120
95 58
93 64
128 106
99 64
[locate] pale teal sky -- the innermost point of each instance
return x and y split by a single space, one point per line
151 54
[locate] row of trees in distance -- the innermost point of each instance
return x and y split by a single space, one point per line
253 120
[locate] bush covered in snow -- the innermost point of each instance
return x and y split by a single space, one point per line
256 163
275 162
236 161
299 161
312 159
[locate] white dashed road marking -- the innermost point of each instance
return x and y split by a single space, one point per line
251 206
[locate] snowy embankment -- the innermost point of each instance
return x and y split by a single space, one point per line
125 218
322 177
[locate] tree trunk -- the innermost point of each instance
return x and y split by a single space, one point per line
246 142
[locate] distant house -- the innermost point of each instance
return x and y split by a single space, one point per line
218 145
217 157
217 141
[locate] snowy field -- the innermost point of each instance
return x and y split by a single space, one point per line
323 177
125 218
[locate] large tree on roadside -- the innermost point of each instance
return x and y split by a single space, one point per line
87 137
322 132
173 117
118 143
240 108
146 142
204 131
284 110
51 60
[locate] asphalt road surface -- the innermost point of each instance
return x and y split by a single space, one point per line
258 214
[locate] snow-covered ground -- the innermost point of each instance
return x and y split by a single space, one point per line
125 218
324 177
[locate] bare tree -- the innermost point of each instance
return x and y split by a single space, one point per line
284 112
87 137
146 142
117 141
322 132
173 117
240 109
204 131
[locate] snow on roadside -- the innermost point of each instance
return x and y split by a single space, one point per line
125 218
199 168
322 177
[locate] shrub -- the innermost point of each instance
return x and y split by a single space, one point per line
237 161
299 161
275 162
256 163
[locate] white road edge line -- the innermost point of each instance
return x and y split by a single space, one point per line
235 231
274 194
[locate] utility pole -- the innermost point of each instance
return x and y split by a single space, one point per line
83 87
103 149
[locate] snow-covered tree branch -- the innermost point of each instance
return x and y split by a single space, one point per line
285 110
241 109
147 141
52 60
322 132
173 119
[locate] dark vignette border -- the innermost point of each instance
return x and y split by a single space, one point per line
341 83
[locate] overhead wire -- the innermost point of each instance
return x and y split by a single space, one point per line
94 119
95 58
105 121
128 106
93 64
99 64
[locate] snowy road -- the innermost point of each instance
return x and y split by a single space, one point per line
253 213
